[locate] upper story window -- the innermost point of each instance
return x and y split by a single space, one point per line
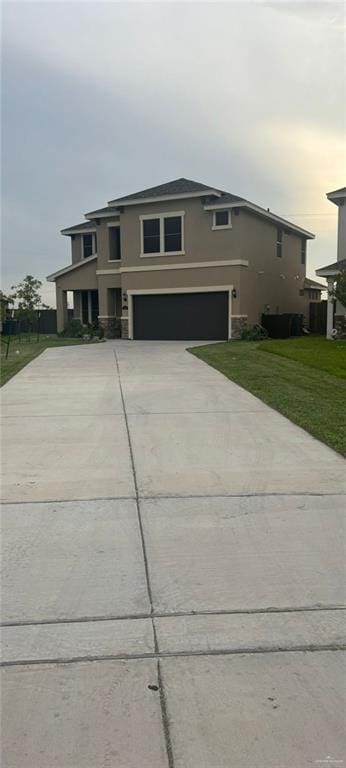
151 236
162 234
279 243
88 245
114 243
222 220
303 251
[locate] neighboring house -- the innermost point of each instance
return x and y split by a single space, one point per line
336 314
313 290
182 261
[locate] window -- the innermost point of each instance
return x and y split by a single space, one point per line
303 251
87 246
151 236
172 227
114 244
162 234
279 238
222 220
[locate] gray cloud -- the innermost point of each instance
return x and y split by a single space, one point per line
100 99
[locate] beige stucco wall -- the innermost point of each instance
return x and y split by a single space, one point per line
102 233
185 278
82 278
76 248
106 287
201 242
262 283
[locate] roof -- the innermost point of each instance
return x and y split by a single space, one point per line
176 187
85 225
187 188
225 198
101 213
77 265
312 284
330 269
336 195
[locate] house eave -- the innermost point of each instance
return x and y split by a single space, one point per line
102 214
164 198
261 212
77 231
336 195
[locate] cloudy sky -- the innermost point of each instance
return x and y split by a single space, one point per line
101 99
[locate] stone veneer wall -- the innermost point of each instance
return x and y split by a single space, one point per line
111 327
239 323
124 328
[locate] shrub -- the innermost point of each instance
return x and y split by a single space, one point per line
255 333
73 330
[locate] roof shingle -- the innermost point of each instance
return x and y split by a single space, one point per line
176 187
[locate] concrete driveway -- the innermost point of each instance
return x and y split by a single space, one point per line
173 570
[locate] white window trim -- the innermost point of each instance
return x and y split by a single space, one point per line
223 226
161 217
196 289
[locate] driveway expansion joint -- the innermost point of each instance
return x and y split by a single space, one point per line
245 651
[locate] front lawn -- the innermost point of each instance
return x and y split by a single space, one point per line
302 378
24 348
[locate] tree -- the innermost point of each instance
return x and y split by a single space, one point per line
339 291
28 298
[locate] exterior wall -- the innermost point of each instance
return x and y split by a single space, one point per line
82 279
102 234
342 230
186 278
201 242
261 283
76 248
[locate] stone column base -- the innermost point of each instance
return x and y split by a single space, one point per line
239 324
340 325
111 327
124 328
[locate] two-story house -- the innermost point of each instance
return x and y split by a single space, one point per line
182 261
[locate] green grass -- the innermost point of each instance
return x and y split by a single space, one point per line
25 348
302 378
314 351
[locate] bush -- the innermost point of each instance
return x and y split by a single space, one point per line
255 333
73 330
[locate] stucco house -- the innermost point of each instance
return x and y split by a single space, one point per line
182 260
336 314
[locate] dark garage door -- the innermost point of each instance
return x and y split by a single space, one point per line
181 316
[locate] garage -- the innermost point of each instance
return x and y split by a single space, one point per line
181 316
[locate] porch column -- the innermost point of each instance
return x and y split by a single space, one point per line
330 308
61 308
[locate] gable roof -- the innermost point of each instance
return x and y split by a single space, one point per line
332 269
187 188
70 268
176 187
312 284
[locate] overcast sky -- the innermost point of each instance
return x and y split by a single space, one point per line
102 99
